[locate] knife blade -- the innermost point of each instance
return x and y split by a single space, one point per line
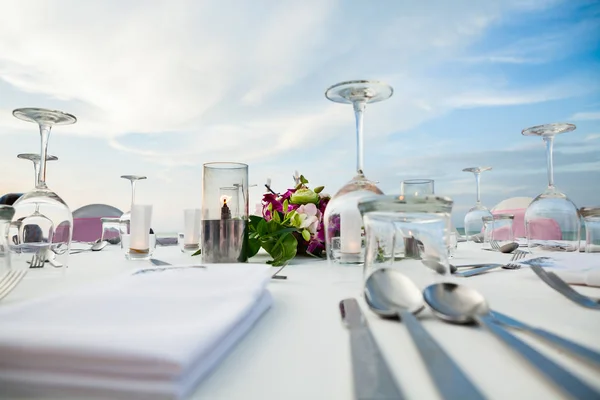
584 353
372 376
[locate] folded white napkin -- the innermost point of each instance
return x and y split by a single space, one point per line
152 334
573 267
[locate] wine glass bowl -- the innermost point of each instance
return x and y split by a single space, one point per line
474 217
343 223
42 220
552 220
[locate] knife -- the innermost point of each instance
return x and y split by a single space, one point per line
584 353
372 376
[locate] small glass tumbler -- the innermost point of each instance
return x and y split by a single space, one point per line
191 235
503 229
110 229
408 233
139 244
488 228
224 233
591 219
6 214
417 187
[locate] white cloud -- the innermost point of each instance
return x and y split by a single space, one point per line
585 116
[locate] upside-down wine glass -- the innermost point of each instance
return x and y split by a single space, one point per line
343 222
35 159
473 219
552 221
126 217
43 220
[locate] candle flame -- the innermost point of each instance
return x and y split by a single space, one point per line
224 199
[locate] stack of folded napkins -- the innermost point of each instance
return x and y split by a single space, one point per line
153 334
573 267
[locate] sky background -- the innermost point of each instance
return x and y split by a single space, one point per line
161 87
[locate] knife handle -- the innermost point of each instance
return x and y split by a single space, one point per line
584 353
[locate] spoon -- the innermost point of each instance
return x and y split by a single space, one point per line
508 247
390 294
95 247
463 305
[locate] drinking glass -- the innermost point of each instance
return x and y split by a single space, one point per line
488 228
503 232
343 224
473 219
111 228
591 218
6 214
139 245
416 187
42 221
552 221
126 217
35 159
408 233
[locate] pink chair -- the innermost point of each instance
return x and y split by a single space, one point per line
518 222
545 229
87 225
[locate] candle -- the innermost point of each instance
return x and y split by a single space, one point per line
141 216
350 231
225 211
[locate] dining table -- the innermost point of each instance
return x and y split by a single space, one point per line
300 349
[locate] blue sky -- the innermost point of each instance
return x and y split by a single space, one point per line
160 88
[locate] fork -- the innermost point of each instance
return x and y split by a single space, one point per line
517 255
554 281
10 280
38 260
494 245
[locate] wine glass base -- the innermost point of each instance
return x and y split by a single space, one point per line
44 117
360 90
548 129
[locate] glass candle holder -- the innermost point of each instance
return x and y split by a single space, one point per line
191 235
417 187
139 246
224 236
591 219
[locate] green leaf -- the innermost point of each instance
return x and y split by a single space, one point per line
197 253
285 205
276 217
318 189
306 234
253 247
303 179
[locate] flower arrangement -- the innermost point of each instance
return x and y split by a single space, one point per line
291 223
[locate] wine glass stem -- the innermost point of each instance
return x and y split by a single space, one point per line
132 194
549 140
477 190
44 135
36 172
359 108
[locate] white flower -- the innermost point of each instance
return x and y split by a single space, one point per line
308 217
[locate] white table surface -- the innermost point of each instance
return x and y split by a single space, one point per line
300 350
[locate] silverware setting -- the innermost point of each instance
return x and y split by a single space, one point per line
556 283
97 246
160 263
517 255
462 305
506 248
390 294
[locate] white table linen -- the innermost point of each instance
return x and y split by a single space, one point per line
300 350
153 334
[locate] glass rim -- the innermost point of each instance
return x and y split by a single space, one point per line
504 216
589 212
225 165
418 181
416 216
406 204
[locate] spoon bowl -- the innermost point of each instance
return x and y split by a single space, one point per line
455 303
388 292
99 246
508 247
